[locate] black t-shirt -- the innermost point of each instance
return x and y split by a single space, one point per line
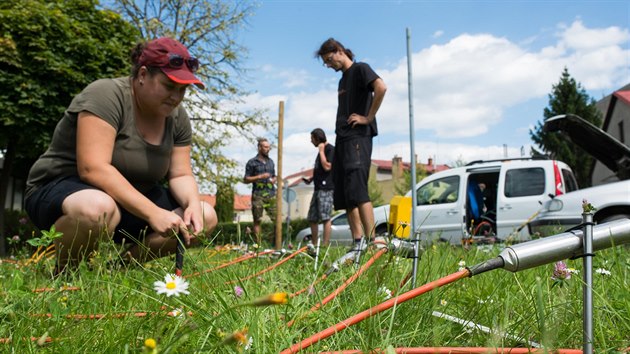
355 95
323 179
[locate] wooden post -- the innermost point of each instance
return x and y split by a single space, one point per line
279 180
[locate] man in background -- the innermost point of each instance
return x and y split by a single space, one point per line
261 173
321 206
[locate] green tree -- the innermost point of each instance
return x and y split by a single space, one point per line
404 186
567 96
207 28
375 193
460 162
225 201
49 51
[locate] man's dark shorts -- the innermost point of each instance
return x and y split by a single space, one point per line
44 206
321 206
351 170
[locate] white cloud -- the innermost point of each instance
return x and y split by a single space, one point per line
462 88
312 110
467 83
597 58
578 37
445 153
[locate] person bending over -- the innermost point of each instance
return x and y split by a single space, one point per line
119 163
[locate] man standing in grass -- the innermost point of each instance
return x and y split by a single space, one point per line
322 202
260 171
360 94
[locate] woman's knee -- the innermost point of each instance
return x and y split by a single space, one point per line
209 217
93 207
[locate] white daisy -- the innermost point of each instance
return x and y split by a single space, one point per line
178 312
602 271
386 292
172 285
250 344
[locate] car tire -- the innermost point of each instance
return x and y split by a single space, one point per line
381 230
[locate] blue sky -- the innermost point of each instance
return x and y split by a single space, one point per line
482 70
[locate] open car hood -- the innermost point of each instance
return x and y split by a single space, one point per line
601 145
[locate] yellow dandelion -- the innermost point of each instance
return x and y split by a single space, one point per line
273 299
150 346
238 337
150 343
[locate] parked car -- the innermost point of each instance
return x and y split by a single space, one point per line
340 230
487 199
612 200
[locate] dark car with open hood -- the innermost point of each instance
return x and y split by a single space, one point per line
611 200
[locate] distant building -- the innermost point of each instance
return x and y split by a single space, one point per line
387 174
242 206
616 111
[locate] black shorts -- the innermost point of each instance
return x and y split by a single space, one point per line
351 170
44 206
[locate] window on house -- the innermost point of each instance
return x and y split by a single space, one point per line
622 137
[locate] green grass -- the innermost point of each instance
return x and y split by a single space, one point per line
523 305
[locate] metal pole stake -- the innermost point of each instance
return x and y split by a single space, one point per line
179 257
587 288
317 252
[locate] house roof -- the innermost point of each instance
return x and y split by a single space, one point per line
386 165
608 103
624 96
241 202
607 106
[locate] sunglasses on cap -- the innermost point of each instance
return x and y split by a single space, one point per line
176 61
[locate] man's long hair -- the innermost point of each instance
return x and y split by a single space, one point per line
319 135
331 45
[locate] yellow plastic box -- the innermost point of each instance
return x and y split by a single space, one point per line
400 216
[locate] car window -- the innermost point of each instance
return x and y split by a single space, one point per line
570 184
340 220
521 182
440 191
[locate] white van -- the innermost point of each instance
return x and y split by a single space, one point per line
486 200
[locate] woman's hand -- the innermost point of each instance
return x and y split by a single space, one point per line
193 217
169 224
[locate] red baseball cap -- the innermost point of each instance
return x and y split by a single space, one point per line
173 59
